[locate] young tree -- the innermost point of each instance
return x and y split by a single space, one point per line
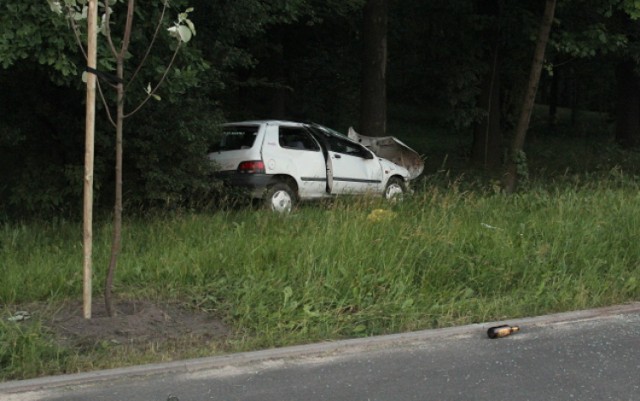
517 154
183 29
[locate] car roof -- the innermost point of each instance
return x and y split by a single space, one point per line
270 122
285 123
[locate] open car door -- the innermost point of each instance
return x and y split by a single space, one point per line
351 168
391 148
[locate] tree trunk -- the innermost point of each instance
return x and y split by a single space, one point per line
279 92
373 94
117 212
487 133
486 151
515 156
553 99
628 105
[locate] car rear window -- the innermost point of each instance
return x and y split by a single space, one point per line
236 138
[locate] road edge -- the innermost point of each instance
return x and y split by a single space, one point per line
308 350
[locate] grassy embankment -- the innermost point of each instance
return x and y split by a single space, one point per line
447 256
328 272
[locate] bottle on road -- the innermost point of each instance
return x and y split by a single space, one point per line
502 331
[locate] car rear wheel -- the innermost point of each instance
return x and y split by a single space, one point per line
280 198
395 189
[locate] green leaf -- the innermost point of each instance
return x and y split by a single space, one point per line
81 15
180 32
55 6
148 89
191 26
185 33
102 25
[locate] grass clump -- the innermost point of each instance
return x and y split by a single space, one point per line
26 351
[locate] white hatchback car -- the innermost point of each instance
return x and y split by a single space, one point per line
283 162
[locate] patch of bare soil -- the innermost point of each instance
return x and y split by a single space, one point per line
134 322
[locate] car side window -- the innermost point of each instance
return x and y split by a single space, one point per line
296 138
343 146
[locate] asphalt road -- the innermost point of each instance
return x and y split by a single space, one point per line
586 355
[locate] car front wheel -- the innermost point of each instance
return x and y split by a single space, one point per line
280 198
395 189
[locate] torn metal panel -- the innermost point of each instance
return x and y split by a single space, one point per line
393 149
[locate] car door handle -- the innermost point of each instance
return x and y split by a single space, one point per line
337 156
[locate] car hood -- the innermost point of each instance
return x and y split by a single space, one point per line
393 149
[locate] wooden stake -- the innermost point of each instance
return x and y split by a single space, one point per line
87 234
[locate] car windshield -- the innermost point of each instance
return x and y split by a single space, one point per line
329 131
236 138
340 143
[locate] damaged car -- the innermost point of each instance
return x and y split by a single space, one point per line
284 162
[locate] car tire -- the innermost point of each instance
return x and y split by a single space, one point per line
395 189
280 198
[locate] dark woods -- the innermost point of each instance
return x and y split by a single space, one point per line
450 67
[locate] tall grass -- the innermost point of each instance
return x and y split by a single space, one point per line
25 351
442 257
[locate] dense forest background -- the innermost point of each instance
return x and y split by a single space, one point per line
452 67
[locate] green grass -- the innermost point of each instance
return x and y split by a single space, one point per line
457 252
27 351
441 258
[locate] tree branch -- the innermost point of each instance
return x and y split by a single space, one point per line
155 88
76 31
126 39
106 105
107 31
153 39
